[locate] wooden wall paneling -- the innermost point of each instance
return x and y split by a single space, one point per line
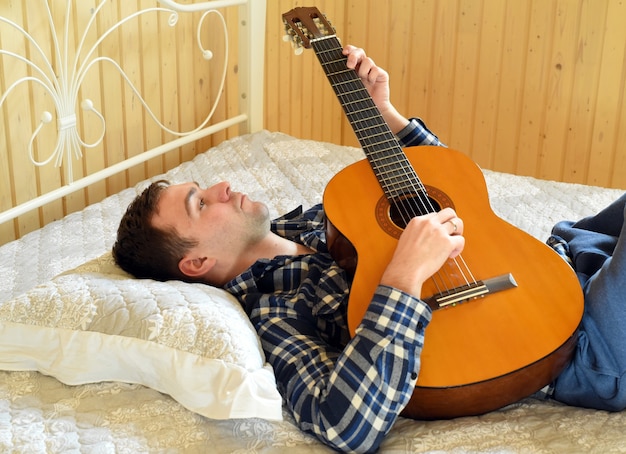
188 83
586 64
283 72
112 106
19 128
8 230
169 88
618 171
560 86
274 49
490 68
544 80
462 114
607 150
232 27
166 76
305 68
414 99
319 113
230 100
511 87
518 86
444 59
199 78
151 86
400 49
90 127
132 113
534 91
294 89
196 75
309 111
213 72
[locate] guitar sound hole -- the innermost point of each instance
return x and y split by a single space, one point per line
410 205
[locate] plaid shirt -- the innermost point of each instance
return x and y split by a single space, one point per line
348 392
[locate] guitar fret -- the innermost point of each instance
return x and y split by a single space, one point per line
354 96
385 161
372 143
351 95
375 142
357 107
343 77
396 176
373 113
340 69
361 123
365 125
389 145
361 117
391 168
370 124
399 179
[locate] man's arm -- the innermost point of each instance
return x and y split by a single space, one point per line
376 80
411 132
350 398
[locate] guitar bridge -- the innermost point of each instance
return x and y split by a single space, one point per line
474 290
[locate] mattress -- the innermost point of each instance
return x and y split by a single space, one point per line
38 413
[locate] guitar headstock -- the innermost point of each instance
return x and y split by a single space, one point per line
305 23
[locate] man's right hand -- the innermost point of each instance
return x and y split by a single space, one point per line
424 246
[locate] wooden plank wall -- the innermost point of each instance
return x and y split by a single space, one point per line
532 87
162 61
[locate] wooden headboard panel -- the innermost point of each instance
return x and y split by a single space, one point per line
97 95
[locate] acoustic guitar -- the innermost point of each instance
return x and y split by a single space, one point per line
505 314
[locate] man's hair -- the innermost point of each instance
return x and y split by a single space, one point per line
143 250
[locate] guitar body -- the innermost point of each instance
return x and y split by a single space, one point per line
484 353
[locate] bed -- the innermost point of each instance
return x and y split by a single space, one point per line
92 360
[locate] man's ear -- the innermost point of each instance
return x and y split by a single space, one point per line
196 266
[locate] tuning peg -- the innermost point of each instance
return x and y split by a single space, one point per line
296 44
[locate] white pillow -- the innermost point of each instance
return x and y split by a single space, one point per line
96 323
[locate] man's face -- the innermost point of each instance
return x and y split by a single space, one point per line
223 222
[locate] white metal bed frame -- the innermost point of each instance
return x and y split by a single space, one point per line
62 81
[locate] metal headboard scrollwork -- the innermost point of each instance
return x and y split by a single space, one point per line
59 66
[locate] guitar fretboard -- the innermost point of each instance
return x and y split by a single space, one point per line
394 172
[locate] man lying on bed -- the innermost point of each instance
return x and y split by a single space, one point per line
346 391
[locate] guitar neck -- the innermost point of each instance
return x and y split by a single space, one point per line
386 157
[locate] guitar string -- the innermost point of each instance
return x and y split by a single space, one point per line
444 282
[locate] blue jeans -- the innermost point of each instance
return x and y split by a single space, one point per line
596 377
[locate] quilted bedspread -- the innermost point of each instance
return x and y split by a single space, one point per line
40 414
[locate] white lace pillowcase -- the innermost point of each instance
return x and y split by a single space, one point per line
96 323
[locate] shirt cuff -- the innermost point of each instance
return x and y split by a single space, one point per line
395 313
417 133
